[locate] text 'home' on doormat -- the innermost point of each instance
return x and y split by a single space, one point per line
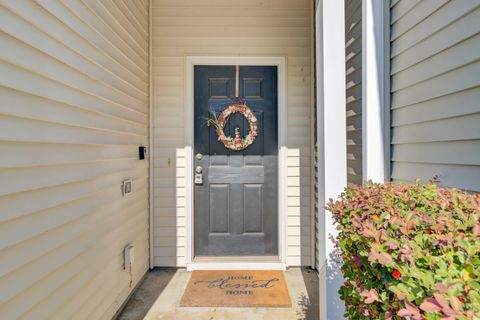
236 289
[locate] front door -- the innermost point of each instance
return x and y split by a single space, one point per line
235 195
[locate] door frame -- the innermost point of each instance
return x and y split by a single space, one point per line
280 62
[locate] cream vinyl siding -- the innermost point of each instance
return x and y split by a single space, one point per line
228 28
73 111
435 86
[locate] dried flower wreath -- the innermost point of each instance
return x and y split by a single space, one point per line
235 143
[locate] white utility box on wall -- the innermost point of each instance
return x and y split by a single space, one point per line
129 256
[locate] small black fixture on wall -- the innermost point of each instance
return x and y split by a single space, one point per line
142 152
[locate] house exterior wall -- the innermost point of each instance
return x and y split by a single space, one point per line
435 91
228 28
433 65
353 65
73 111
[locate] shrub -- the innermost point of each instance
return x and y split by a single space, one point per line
409 251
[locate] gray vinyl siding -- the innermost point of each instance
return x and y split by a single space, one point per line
435 91
353 57
73 111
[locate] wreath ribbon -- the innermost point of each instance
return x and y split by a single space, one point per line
237 105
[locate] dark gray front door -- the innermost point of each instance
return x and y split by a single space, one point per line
236 205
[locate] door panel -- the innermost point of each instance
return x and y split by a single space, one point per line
236 205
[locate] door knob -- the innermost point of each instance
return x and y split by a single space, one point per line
198 169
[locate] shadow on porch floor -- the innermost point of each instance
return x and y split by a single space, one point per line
159 295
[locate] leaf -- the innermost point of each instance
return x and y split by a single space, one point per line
388 315
373 255
430 305
474 296
445 305
370 296
441 300
384 258
445 203
456 304
474 284
404 313
392 245
401 294
476 230
410 310
441 288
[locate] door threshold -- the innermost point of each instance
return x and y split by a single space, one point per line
236 259
237 263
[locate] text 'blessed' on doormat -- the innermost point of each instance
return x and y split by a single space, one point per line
236 289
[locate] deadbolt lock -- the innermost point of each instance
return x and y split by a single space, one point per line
198 175
199 156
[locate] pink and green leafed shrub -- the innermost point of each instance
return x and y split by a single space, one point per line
409 251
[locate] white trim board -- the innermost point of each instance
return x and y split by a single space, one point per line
150 135
281 64
331 143
373 90
236 266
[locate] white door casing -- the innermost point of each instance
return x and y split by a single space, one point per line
280 63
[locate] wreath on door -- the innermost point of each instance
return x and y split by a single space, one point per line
235 143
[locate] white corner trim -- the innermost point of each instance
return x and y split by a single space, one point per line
281 64
331 142
373 91
150 133
313 162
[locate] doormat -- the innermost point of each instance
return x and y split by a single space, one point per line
236 289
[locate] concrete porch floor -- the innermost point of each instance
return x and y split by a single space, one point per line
159 295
